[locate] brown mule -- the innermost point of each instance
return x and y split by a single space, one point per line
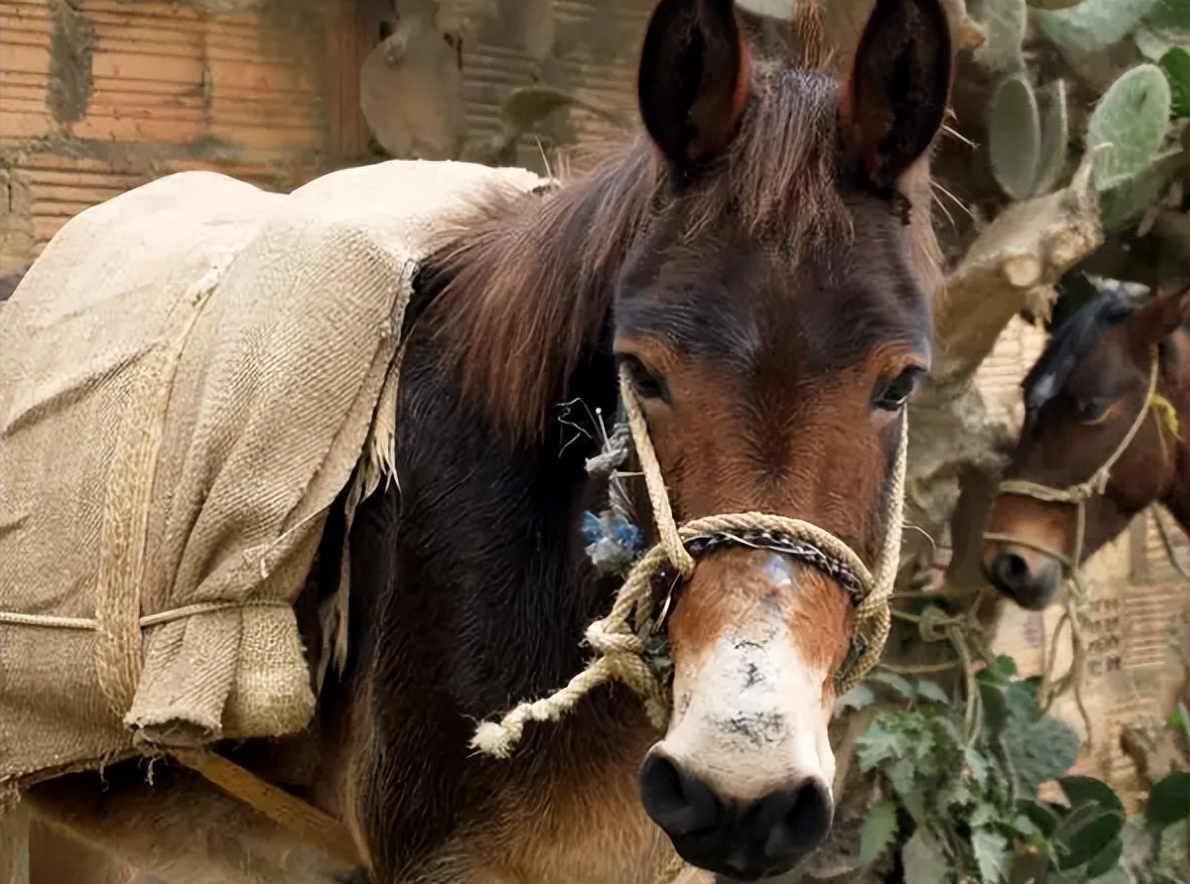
1106 431
750 265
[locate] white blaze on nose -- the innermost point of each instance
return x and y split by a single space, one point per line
752 718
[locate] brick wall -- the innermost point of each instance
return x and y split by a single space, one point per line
97 96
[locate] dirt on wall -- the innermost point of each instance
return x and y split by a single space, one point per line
72 44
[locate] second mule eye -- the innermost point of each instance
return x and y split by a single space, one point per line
892 393
647 384
1091 411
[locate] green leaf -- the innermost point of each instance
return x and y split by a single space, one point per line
877 744
950 729
1025 827
1055 133
924 860
1014 137
954 794
899 684
1084 790
1039 751
1003 665
1092 25
930 690
1021 697
880 828
1042 817
906 783
1176 64
1085 842
1106 860
985 812
991 855
1004 31
1073 819
1130 121
976 763
1169 800
859 697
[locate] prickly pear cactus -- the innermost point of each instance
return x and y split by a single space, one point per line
1127 131
1136 132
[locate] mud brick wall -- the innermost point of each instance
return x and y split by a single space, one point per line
97 96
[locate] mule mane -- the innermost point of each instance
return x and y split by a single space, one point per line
532 281
1069 341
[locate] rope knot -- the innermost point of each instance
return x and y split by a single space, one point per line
933 623
609 643
1096 486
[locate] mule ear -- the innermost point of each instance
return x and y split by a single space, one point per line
693 80
900 82
1161 316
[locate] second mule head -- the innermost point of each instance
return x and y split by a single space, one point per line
772 326
1100 443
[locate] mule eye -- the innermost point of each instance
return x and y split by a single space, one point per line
1091 411
891 395
648 385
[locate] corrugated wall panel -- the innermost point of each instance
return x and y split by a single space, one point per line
24 69
169 87
147 72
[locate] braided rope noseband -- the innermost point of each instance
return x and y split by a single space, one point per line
623 639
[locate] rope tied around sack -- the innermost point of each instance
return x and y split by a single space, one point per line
621 640
1076 595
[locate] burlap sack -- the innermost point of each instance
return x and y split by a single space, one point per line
189 376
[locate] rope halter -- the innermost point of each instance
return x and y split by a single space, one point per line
1078 495
630 641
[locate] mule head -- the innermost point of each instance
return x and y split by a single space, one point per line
1082 398
773 327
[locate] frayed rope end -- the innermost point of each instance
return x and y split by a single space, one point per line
494 739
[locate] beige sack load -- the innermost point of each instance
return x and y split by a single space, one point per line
189 375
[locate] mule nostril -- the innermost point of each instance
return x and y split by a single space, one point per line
680 803
793 822
1011 569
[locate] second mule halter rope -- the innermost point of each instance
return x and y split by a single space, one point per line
1079 494
619 638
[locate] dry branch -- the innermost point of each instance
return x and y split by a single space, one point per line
1012 265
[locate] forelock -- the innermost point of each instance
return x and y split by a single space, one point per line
1068 342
